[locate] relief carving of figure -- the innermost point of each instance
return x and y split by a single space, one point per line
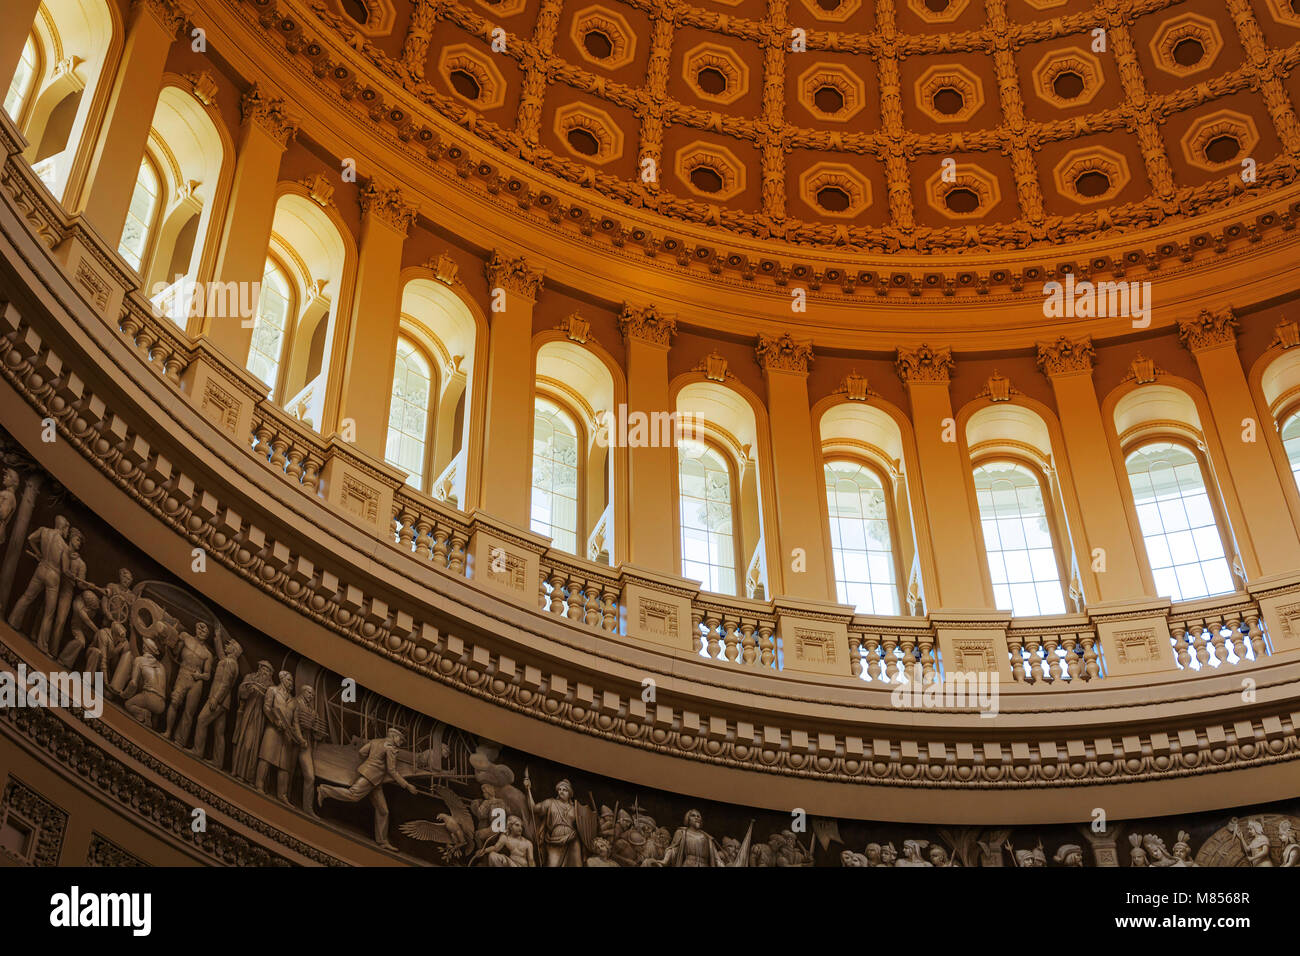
1183 849
1255 842
278 746
8 502
303 726
194 670
556 824
1286 836
50 548
249 721
146 691
691 846
217 705
74 575
378 767
511 848
83 629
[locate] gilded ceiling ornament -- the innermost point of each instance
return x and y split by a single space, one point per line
714 367
854 387
445 269
1143 370
647 325
204 86
998 388
268 112
514 275
1208 330
924 365
1066 355
1287 334
319 188
783 353
388 204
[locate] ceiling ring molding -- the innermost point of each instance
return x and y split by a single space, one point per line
722 161
840 177
464 58
721 61
1199 142
1085 165
969 178
938 89
613 26
848 86
1056 68
598 124
1189 32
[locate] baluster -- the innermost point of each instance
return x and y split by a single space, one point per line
1016 651
1053 661
1238 642
557 591
1180 645
440 537
926 648
697 640
767 649
575 589
457 559
1218 649
711 630
311 472
1198 641
407 533
855 655
278 445
1257 644
263 434
609 609
730 639
144 342
1091 664
592 615
1070 643
422 529
294 469
749 648
175 362
875 660
1034 663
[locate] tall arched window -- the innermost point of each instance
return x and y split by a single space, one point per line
408 413
1291 443
1018 540
24 79
141 216
270 328
708 534
861 543
555 475
1180 528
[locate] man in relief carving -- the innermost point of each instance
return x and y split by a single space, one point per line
218 703
194 671
83 629
691 846
303 726
148 684
249 721
277 739
8 502
378 767
75 575
556 823
512 848
50 548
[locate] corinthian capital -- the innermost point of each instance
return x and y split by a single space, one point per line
924 364
514 275
647 325
783 353
387 204
1066 355
1208 330
268 112
167 13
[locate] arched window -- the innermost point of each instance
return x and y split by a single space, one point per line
141 216
24 80
555 475
1291 442
708 535
1180 528
861 543
270 328
1018 539
408 413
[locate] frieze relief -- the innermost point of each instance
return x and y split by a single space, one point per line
199 679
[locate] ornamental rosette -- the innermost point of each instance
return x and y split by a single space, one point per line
783 353
1066 355
924 365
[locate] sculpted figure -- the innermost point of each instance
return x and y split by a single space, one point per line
729 849
1285 834
148 684
277 749
1157 855
8 502
194 670
82 627
600 849
849 858
50 548
511 848
873 855
1183 849
249 721
217 705
691 846
912 853
1069 854
939 857
74 575
630 843
888 855
110 647
484 809
378 767
557 824
303 726
1255 842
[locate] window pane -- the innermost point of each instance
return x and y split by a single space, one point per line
270 326
140 216
408 412
1018 540
24 78
708 545
555 475
862 550
1184 544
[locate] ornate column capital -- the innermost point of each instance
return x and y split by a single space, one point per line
1066 355
514 275
924 365
647 325
783 353
387 204
168 14
268 112
1208 330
